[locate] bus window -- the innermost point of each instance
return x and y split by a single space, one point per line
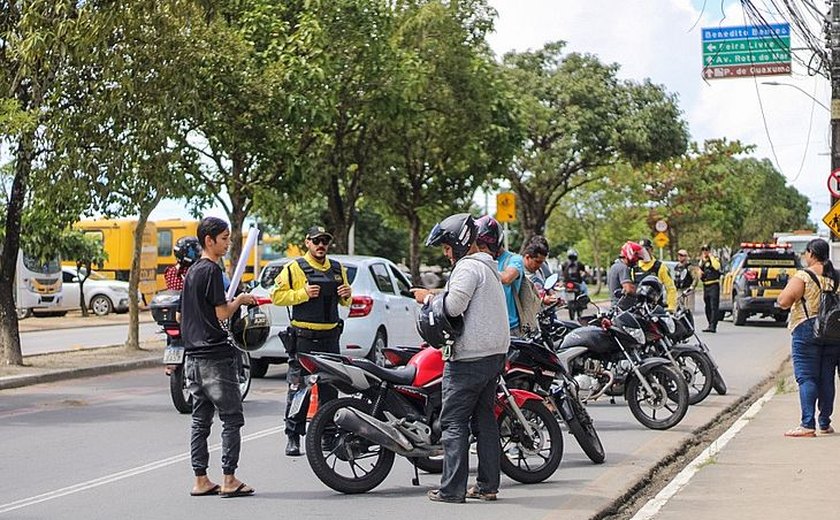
164 247
96 235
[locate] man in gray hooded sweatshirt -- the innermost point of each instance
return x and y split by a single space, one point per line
474 363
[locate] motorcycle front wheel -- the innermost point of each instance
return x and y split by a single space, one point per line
580 424
666 406
341 459
525 458
697 371
181 397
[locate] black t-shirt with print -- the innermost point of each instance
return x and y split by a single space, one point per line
204 337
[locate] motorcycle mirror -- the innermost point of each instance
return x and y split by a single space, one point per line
551 282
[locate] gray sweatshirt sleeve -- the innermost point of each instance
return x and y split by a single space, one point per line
462 284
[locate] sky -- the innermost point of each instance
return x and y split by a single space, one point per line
661 40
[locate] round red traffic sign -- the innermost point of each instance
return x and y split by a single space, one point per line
834 184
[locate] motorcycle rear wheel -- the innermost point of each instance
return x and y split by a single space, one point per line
515 443
433 465
327 445
670 394
181 397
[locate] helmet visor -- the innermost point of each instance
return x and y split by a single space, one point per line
435 236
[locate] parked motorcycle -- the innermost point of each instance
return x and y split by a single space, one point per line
598 356
352 442
685 330
164 307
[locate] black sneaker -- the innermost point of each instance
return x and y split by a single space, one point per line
435 496
293 446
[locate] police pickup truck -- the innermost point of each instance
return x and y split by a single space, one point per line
754 278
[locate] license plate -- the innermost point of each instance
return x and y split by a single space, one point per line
297 402
173 356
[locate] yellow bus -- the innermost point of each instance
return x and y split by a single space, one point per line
168 233
117 237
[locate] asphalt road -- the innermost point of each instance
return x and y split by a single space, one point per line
114 447
44 341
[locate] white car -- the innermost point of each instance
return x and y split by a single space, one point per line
383 311
102 295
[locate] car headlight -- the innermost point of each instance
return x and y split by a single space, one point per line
120 289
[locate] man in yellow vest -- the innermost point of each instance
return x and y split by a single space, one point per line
313 286
645 268
710 276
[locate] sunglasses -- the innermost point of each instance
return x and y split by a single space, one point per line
320 241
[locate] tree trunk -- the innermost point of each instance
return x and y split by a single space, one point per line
9 334
133 340
82 281
596 254
414 247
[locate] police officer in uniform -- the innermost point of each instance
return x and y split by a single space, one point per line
313 286
652 266
710 276
683 277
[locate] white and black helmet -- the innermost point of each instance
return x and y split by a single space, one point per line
435 327
457 231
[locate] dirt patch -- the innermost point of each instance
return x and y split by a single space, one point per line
84 358
660 476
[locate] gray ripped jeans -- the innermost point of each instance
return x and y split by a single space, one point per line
214 385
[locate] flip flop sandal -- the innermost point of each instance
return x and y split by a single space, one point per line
238 492
799 431
215 490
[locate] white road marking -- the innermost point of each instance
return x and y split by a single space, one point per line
654 505
114 477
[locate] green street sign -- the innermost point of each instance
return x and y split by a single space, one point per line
745 58
740 46
744 51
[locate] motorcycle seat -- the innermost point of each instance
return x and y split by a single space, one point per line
399 376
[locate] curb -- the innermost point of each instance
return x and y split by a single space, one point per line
9 382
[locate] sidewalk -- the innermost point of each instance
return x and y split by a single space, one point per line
763 475
74 320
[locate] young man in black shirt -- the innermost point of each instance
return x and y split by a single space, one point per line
211 363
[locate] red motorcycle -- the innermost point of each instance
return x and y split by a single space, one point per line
352 441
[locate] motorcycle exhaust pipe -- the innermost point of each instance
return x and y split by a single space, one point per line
374 430
594 397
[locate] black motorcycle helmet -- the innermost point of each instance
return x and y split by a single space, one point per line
187 250
646 243
435 327
650 289
457 231
250 332
489 233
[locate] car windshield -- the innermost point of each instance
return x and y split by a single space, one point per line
271 271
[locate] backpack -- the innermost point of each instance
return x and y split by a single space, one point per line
528 303
827 322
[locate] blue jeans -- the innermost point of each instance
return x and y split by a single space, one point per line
214 385
469 393
814 366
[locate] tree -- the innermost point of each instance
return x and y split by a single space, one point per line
579 120
254 78
601 216
36 37
125 126
454 130
717 194
86 252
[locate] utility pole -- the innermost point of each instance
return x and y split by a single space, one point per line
834 49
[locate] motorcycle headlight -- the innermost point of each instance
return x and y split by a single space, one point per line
670 326
638 335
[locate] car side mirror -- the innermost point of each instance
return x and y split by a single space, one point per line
406 293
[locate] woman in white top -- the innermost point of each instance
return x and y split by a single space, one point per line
814 362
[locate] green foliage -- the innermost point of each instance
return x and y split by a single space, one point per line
578 119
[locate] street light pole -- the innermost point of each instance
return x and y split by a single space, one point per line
777 84
834 47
